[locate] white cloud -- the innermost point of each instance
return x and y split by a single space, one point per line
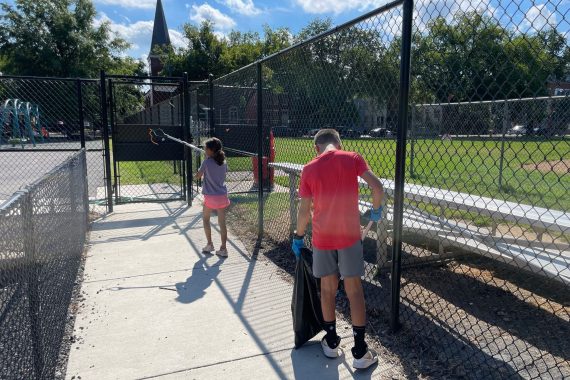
139 34
427 10
205 12
244 7
337 6
424 10
177 39
539 16
141 4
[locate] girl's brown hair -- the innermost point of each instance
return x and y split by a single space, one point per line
215 145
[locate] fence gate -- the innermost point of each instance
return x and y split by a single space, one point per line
143 171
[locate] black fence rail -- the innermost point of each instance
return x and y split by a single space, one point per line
43 229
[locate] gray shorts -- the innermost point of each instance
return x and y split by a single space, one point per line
349 262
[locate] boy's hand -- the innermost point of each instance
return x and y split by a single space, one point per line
376 214
298 244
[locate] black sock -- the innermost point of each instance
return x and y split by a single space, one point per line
360 347
331 337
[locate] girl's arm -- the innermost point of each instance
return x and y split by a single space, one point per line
199 174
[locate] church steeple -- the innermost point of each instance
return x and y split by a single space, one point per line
160 38
160 34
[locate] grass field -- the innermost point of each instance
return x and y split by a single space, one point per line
464 166
142 172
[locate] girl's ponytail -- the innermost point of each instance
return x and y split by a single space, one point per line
220 157
215 145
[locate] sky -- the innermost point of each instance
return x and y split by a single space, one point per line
133 19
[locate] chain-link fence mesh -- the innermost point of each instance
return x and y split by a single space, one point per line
41 121
143 171
235 115
487 190
486 222
43 229
486 217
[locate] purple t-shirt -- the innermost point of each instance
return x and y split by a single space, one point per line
214 182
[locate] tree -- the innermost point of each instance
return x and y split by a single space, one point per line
202 56
326 81
58 38
208 53
473 57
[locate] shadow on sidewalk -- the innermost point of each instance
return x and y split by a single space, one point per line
306 367
202 277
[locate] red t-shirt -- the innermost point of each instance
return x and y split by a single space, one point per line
331 180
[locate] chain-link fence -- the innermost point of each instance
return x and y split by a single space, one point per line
42 121
487 189
142 171
475 166
485 263
43 229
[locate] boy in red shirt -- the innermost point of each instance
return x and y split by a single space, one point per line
330 184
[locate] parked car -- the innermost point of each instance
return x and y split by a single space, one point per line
312 132
518 130
347 133
284 131
380 132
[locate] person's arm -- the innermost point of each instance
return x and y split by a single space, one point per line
200 173
303 216
376 186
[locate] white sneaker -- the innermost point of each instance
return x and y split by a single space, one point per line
369 359
329 352
222 253
208 249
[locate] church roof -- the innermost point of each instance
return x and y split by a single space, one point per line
160 36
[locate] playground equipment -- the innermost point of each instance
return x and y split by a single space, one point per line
20 122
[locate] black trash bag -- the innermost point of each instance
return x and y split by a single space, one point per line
306 303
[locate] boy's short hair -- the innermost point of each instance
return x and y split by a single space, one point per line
327 136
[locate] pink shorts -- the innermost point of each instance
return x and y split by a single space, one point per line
216 202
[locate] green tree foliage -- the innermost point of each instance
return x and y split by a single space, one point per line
59 38
208 53
473 57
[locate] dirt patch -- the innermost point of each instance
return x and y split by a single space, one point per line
77 298
558 166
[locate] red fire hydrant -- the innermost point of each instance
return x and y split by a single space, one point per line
268 172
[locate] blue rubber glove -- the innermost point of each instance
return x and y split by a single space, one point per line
296 247
376 215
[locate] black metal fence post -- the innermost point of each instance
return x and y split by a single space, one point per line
260 178
105 129
412 144
212 124
506 124
187 137
112 123
401 162
80 116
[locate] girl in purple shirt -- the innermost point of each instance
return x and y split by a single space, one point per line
213 170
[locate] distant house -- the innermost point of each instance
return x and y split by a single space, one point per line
238 105
559 87
371 114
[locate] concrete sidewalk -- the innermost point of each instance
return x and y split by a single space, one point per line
156 307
